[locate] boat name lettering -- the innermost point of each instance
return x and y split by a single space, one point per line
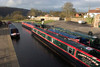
89 59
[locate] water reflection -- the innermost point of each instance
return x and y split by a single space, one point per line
16 39
27 30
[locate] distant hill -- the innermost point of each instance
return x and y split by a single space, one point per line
4 11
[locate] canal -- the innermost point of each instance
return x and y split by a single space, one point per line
31 53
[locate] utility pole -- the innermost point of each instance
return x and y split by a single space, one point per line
90 32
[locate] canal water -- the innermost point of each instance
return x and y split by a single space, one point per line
31 53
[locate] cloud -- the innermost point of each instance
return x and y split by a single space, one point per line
42 4
13 2
92 0
85 5
10 3
81 5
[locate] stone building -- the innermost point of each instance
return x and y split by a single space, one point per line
94 12
96 20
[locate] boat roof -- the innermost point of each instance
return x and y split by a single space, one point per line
11 26
63 33
75 33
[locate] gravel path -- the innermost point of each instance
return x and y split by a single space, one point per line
74 26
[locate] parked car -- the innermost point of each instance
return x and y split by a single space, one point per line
81 22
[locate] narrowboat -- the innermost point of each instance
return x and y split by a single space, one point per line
93 40
30 25
27 25
81 55
72 37
14 33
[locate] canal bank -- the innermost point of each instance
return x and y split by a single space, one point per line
7 53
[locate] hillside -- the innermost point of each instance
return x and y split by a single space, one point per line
8 10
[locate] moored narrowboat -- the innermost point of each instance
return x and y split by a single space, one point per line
72 37
14 33
81 55
93 40
27 25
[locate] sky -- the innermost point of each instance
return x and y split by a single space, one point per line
48 5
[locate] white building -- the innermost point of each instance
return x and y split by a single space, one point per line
93 13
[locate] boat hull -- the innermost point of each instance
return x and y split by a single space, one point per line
27 27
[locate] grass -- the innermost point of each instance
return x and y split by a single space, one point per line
12 20
48 21
25 20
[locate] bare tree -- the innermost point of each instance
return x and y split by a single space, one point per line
17 15
55 13
68 9
32 12
1 17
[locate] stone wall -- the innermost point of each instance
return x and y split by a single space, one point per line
78 19
47 18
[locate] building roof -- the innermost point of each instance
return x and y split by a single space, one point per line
94 11
97 10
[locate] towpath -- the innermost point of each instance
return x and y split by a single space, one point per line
7 53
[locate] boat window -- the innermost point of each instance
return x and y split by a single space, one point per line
43 35
52 40
38 32
14 30
55 42
34 30
96 41
70 50
49 38
61 45
46 36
